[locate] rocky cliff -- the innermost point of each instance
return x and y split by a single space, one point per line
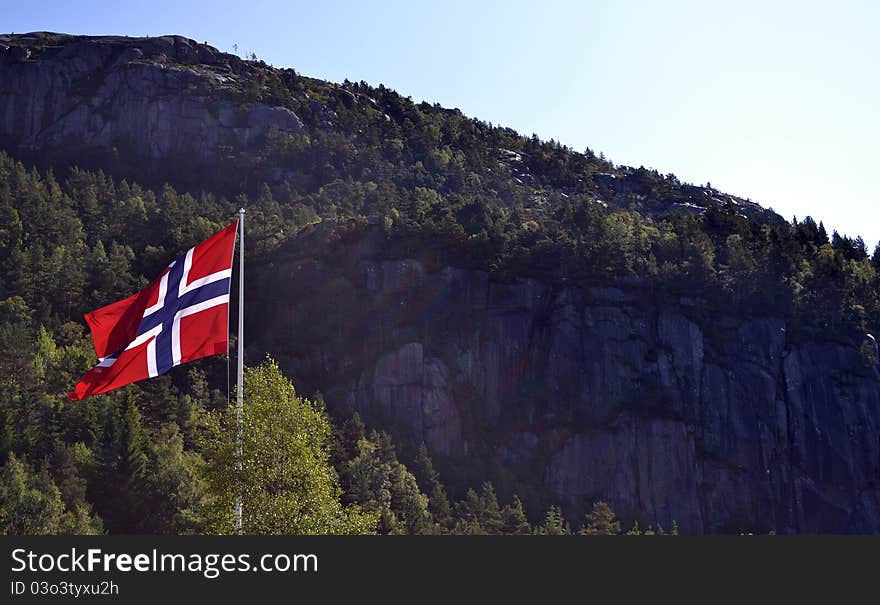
169 108
153 98
669 411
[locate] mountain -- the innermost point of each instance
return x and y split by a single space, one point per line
568 329
164 101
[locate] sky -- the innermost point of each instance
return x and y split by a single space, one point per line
772 101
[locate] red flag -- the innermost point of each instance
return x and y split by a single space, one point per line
180 317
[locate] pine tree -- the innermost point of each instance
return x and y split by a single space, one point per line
554 524
601 521
378 482
31 503
409 502
173 492
429 480
467 515
133 457
490 513
514 518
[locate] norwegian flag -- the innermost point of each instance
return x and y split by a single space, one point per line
180 317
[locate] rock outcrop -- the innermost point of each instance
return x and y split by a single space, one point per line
627 188
154 98
717 422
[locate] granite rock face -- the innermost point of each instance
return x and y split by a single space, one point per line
719 423
153 97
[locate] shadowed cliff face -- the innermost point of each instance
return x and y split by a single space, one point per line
666 411
153 98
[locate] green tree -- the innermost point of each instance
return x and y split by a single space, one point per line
554 524
429 479
514 519
489 511
173 489
284 476
468 513
31 504
601 521
377 481
118 484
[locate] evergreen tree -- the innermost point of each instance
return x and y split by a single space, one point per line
378 482
429 479
173 492
554 524
601 521
490 516
31 503
514 517
131 468
468 514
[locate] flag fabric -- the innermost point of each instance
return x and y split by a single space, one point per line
180 317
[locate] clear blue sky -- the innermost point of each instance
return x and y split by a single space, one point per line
774 101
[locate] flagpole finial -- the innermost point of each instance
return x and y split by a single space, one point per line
241 210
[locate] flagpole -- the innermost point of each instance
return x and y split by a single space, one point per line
240 346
